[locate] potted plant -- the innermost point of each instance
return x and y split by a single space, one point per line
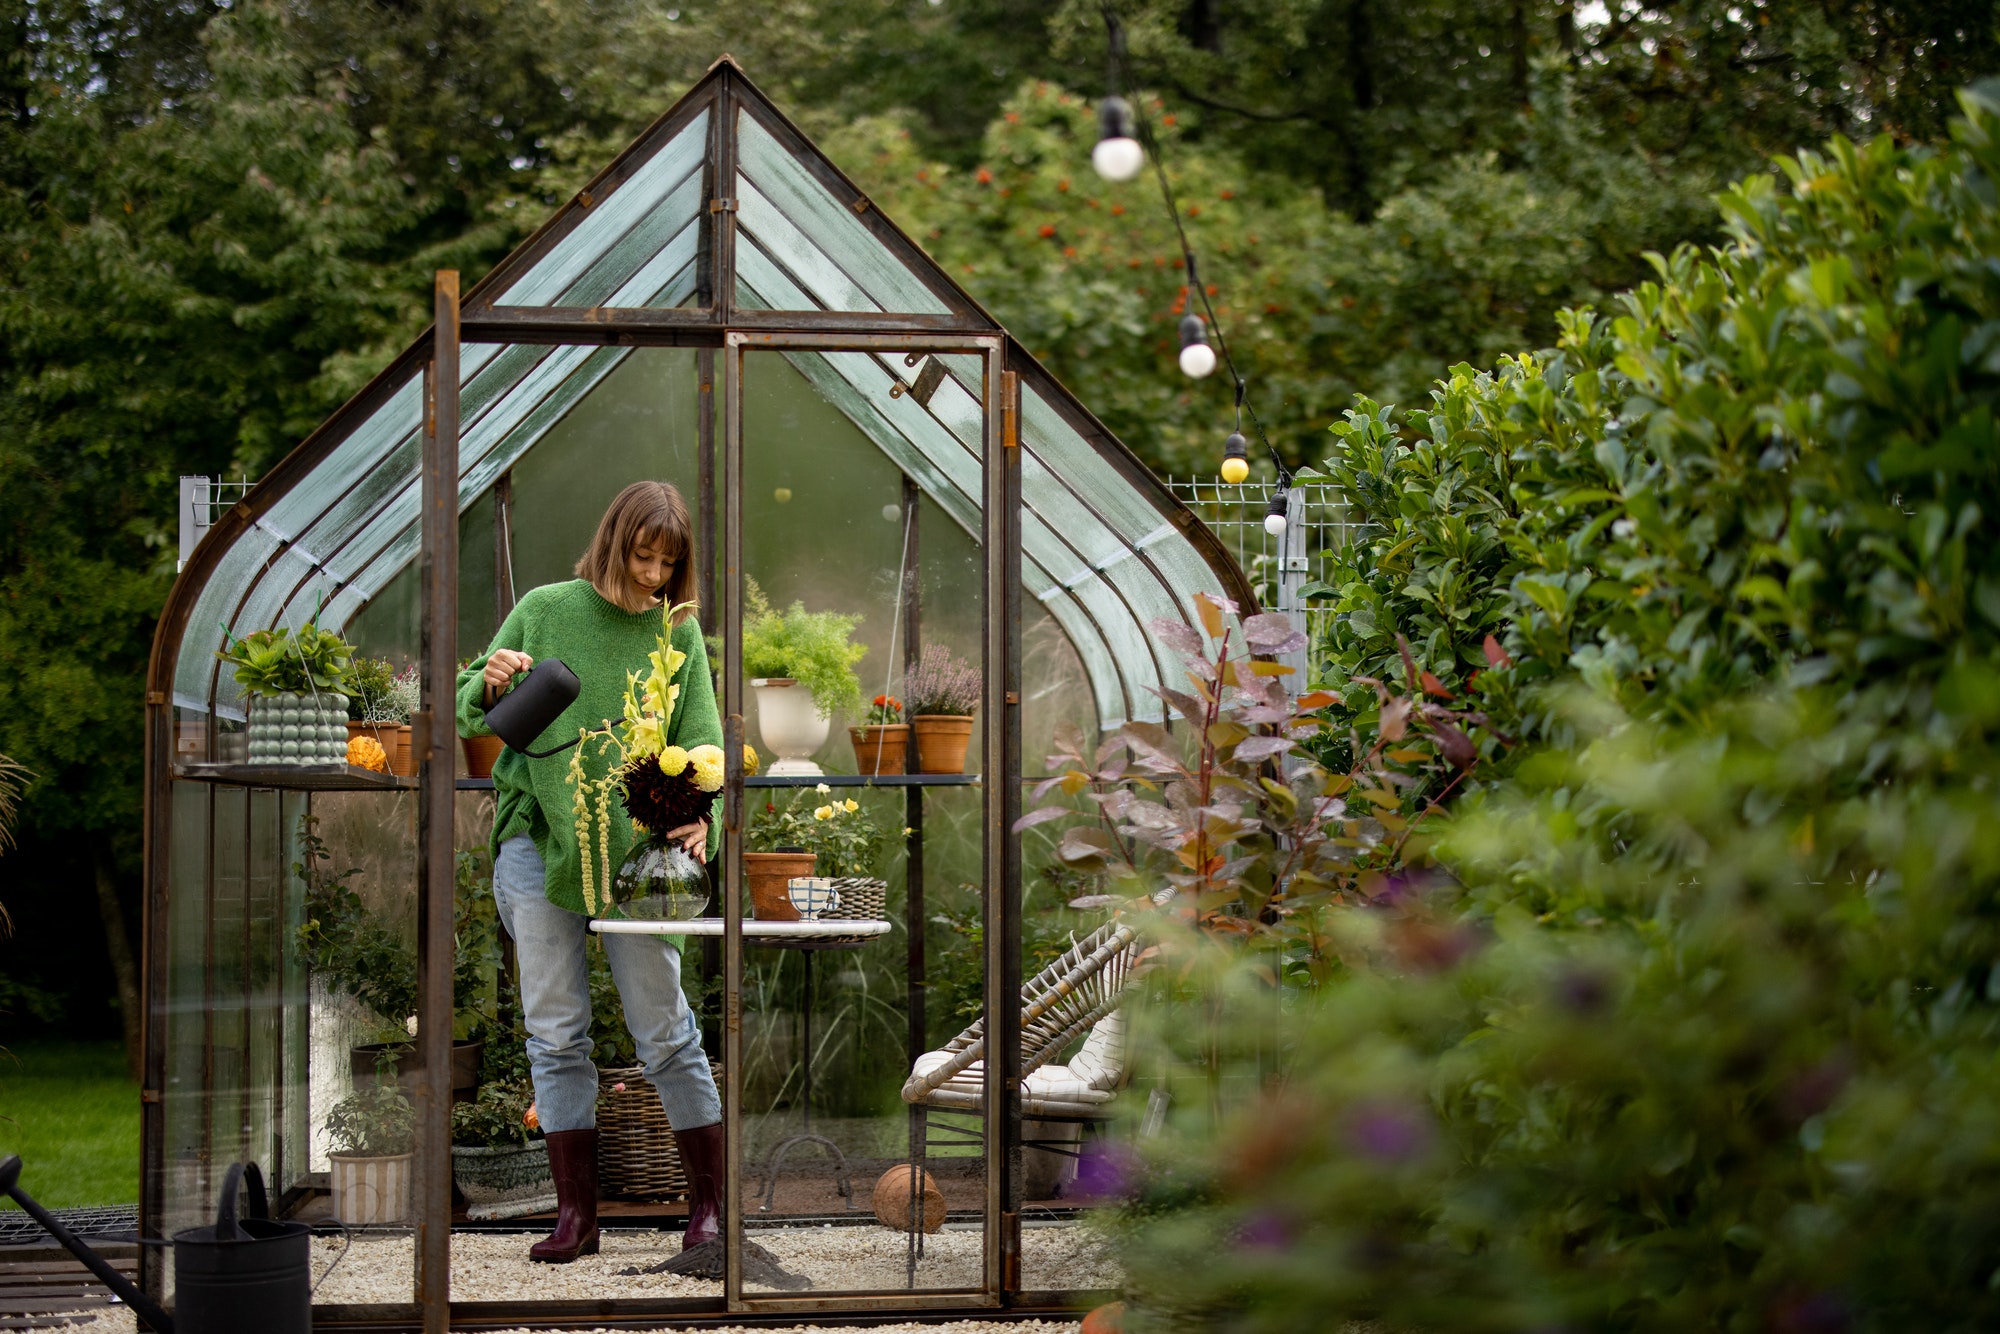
373 1135
801 665
825 836
297 686
481 752
499 1161
881 745
943 693
384 700
352 950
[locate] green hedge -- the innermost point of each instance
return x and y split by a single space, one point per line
1695 1025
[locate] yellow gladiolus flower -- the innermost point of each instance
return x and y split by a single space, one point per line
645 737
672 760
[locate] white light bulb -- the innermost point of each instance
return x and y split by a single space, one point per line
1118 158
891 513
1274 524
1197 360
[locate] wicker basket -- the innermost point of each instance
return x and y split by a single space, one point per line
636 1156
861 897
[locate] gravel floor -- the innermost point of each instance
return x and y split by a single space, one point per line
494 1267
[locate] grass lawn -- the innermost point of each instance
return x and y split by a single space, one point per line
72 1114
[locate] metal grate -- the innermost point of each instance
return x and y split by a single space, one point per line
202 500
17 1229
1316 525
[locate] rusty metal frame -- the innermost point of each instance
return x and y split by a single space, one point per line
727 93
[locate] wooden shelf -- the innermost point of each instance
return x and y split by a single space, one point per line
312 777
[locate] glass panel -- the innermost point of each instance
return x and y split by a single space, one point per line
194 669
844 265
653 198
827 1022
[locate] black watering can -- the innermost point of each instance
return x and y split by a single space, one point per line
526 711
237 1277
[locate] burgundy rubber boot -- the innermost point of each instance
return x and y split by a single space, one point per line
573 1163
701 1159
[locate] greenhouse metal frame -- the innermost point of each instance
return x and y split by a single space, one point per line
724 230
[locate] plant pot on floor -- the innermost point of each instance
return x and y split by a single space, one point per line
770 875
370 1191
506 1182
881 748
941 740
406 1059
298 729
481 753
788 719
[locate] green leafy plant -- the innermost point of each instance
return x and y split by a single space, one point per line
372 678
813 648
372 1122
353 950
496 1118
1692 1026
278 662
841 833
941 684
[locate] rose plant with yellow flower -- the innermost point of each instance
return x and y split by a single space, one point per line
844 836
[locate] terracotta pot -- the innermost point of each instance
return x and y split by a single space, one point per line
880 748
480 753
769 874
941 742
893 1205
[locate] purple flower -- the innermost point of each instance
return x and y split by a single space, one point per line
1107 1171
1264 1231
1389 1132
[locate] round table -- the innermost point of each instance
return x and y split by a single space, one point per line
826 933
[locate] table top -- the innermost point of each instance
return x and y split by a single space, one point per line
753 930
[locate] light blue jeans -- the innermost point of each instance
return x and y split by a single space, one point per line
555 1003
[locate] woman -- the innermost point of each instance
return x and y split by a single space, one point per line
602 625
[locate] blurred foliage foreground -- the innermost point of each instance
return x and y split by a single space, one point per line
1680 1012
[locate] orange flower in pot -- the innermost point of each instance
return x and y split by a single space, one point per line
881 744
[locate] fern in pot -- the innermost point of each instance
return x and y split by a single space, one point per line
800 665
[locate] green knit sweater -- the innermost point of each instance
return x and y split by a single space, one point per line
600 642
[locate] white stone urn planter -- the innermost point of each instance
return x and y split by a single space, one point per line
370 1190
789 721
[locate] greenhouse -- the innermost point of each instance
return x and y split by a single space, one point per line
720 308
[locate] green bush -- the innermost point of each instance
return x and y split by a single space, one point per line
1699 1030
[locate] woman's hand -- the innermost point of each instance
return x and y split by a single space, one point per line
693 838
500 669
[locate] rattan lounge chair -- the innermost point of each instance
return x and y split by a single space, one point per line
1077 994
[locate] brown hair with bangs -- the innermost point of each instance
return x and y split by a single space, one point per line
643 513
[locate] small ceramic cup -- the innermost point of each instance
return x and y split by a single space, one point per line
812 895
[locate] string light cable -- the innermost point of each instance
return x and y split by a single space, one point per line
1234 446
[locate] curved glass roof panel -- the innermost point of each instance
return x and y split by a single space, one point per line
1099 548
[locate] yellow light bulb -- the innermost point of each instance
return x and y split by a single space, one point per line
1234 470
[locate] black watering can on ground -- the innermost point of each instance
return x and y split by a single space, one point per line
237 1277
248 1276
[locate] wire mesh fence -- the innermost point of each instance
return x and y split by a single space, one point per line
1278 564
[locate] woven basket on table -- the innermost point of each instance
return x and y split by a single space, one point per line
636 1156
860 897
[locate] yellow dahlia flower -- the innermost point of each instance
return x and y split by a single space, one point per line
672 760
707 762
